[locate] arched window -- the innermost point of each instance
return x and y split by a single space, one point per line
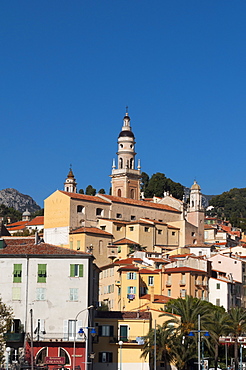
132 193
119 193
99 212
63 353
131 163
120 163
40 357
80 209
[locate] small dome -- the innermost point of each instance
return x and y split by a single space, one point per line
126 133
70 174
26 213
195 186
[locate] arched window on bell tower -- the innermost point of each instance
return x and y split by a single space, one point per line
132 193
119 193
120 163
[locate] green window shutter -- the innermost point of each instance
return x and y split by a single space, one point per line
134 276
17 273
81 269
128 275
134 290
72 270
128 290
41 273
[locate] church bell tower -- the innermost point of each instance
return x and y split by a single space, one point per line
125 178
70 184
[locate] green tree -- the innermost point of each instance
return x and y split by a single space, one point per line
81 191
90 190
237 328
218 324
6 315
102 191
144 181
156 185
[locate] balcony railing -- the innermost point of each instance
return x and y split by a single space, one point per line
182 282
198 282
14 337
131 296
168 283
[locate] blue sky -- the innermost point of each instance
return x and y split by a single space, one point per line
69 68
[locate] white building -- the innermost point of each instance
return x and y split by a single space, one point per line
47 287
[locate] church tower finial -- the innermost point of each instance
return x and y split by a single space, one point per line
126 179
70 184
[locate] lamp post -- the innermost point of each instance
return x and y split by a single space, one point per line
74 337
8 349
206 334
120 344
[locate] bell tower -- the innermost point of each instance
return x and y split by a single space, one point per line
125 178
70 184
195 214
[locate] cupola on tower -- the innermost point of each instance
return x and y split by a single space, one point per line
70 184
126 179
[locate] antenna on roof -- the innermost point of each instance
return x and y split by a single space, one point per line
127 109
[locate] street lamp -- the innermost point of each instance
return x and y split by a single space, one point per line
120 344
206 334
8 349
74 337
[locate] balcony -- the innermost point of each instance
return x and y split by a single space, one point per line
198 282
117 282
205 283
182 282
131 296
130 340
168 283
14 337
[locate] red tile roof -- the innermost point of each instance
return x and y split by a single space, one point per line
157 298
124 241
148 271
182 269
128 268
123 315
140 203
39 220
28 247
18 223
89 198
90 230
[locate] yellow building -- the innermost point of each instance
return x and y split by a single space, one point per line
119 340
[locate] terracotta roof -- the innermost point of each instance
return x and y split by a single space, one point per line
16 228
139 203
209 227
123 315
157 298
182 269
28 247
128 261
39 220
148 271
89 198
124 241
90 230
161 260
176 256
18 223
114 220
128 268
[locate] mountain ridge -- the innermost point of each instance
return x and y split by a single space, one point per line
13 198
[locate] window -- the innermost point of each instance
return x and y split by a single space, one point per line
16 293
169 292
17 273
131 228
159 231
182 293
124 333
99 212
103 227
131 290
78 245
118 228
151 280
217 302
105 331
76 270
105 357
173 233
146 229
40 294
42 273
119 193
118 215
132 193
131 276
133 218
73 294
63 353
40 358
80 209
193 233
217 286
119 249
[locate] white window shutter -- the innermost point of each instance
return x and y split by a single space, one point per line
65 329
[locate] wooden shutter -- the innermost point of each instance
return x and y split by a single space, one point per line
81 269
72 270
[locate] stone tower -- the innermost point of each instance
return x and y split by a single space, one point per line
70 184
126 179
195 213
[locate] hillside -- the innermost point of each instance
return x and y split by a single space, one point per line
20 202
232 206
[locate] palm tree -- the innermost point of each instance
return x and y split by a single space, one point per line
163 335
237 328
187 309
218 324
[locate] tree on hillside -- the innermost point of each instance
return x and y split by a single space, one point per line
81 191
158 183
144 181
10 212
102 191
6 316
90 190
